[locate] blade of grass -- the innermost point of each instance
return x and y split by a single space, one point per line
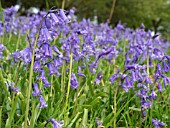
85 118
12 112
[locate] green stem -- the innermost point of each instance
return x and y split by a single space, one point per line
18 41
31 74
148 65
16 73
63 78
115 106
0 116
32 122
63 4
112 10
29 87
12 112
68 87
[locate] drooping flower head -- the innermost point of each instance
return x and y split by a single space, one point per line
56 124
74 83
42 102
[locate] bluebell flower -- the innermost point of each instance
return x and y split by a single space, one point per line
81 75
54 18
16 90
133 75
128 84
36 92
142 26
46 34
98 122
55 123
153 95
144 113
47 23
98 79
114 77
57 51
63 15
41 75
42 102
145 105
37 66
127 59
160 89
166 68
51 68
106 52
46 50
157 123
26 55
2 47
74 83
58 63
45 82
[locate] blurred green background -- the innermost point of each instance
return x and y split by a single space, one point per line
155 14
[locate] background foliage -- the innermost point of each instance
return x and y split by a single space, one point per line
153 13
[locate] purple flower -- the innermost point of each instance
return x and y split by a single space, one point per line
51 68
142 26
165 67
46 34
127 60
37 66
57 51
157 123
106 52
63 15
47 23
16 90
113 78
54 18
41 75
42 102
10 11
26 55
36 92
81 75
133 75
2 47
55 123
145 105
46 50
74 83
98 79
98 122
46 83
153 95
160 89
93 67
58 63
127 84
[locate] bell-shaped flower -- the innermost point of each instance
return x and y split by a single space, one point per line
63 15
45 82
46 50
42 102
36 92
47 23
98 79
74 83
37 66
54 18
55 123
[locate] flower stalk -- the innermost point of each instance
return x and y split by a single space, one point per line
69 81
31 73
